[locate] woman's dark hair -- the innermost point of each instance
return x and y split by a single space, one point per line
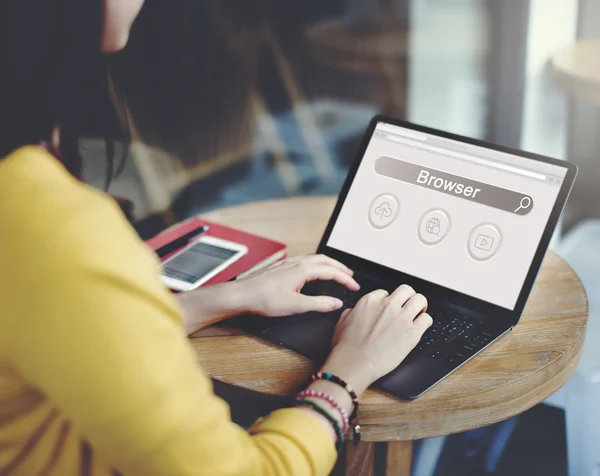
51 70
188 74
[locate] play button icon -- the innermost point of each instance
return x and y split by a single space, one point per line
484 241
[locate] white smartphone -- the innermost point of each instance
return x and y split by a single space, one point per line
199 261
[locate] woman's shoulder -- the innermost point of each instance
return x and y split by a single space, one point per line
40 203
36 190
53 225
32 170
62 244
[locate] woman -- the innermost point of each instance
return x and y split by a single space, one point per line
96 374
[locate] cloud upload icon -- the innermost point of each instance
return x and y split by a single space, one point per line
384 210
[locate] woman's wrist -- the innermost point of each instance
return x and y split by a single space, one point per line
204 307
250 297
357 372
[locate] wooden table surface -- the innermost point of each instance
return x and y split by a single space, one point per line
516 373
577 69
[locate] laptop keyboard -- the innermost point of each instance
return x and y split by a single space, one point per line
454 336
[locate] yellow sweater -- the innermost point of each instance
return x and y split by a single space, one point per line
96 374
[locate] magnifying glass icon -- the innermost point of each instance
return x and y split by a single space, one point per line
525 204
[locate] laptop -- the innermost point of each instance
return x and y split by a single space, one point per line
464 222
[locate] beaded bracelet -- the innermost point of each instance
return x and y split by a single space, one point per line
338 381
336 426
354 416
328 398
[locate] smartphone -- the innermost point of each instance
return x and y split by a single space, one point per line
199 261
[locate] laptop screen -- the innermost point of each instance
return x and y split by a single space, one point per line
462 216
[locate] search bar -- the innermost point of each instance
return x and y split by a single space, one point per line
478 192
489 163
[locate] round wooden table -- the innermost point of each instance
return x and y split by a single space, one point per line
518 372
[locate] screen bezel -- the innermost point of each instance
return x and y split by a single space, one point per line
394 277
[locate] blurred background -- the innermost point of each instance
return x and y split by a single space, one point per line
235 101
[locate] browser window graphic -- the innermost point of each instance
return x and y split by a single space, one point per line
458 215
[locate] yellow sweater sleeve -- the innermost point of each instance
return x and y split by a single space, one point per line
91 326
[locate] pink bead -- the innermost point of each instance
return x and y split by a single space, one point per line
322 395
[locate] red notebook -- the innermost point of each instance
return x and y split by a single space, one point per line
262 252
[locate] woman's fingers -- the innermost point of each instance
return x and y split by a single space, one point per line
322 259
377 294
304 303
372 303
415 305
423 322
400 297
323 272
319 259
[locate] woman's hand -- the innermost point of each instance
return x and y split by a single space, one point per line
272 292
275 291
372 339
